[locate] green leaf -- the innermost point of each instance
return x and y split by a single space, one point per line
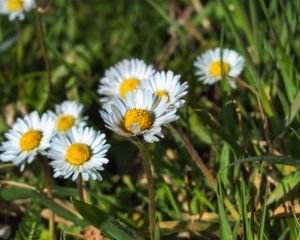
246 221
294 110
29 229
270 159
59 210
224 161
287 184
16 193
204 200
225 229
197 127
157 230
106 223
261 231
171 198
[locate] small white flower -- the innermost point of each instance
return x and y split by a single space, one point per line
68 114
209 67
125 76
81 150
27 137
16 8
141 113
167 84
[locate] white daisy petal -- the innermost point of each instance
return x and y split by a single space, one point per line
213 63
68 114
144 116
15 9
125 76
167 84
27 137
81 150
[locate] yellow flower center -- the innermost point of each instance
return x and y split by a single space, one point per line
30 140
15 5
161 93
215 68
65 122
129 85
137 117
78 154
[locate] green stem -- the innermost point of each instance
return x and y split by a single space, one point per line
150 184
41 33
48 183
19 46
80 188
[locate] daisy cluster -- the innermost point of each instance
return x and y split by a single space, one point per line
61 136
138 101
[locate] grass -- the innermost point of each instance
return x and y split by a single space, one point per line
252 152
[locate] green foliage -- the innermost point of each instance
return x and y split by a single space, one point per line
225 229
110 227
28 228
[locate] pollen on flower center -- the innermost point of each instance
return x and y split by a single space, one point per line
130 85
65 122
141 118
15 5
215 68
78 154
30 140
161 93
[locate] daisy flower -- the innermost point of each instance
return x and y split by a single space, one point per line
81 150
68 114
213 63
16 8
28 137
125 76
168 84
140 114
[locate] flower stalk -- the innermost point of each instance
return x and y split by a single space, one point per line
80 188
49 187
151 186
42 38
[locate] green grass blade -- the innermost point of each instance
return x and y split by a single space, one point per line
246 221
262 222
225 229
249 63
270 159
283 60
287 184
294 110
15 193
